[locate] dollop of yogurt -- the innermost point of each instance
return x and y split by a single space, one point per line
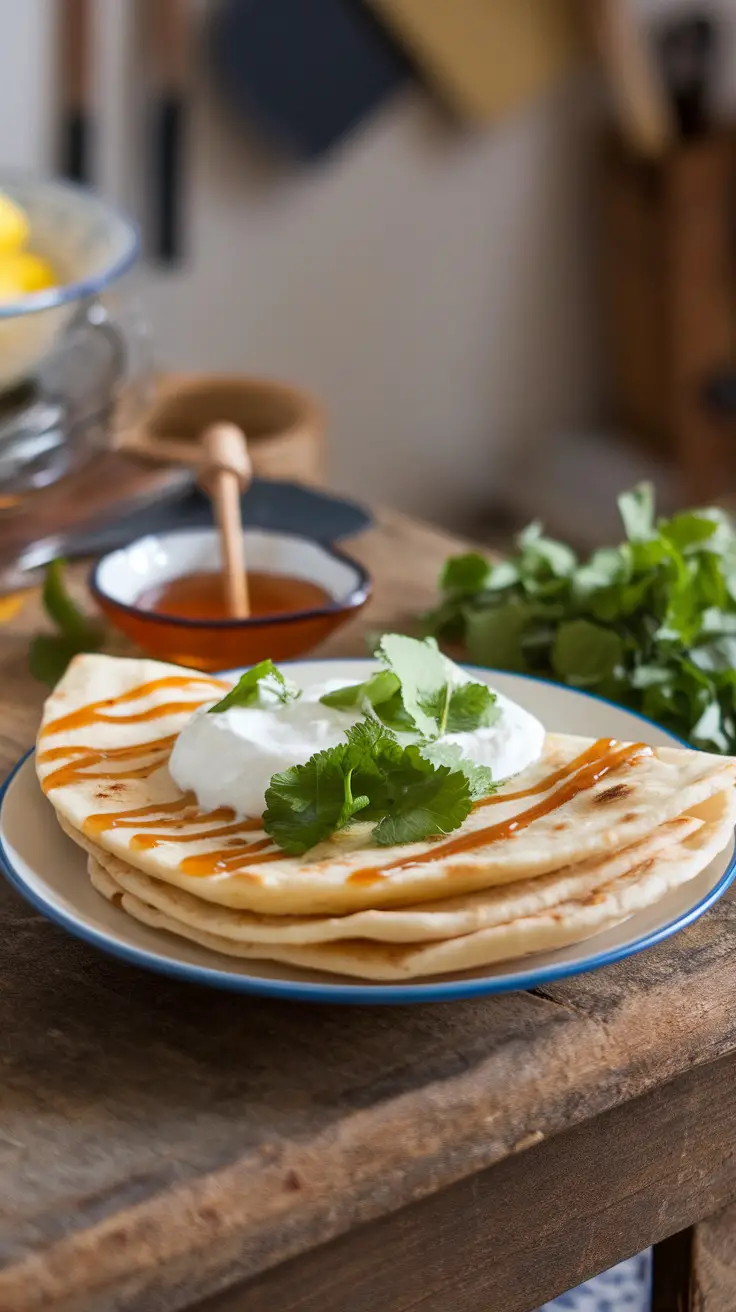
228 759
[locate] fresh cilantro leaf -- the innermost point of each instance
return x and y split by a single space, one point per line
415 694
464 574
307 803
690 530
541 556
471 706
249 689
375 690
368 739
585 654
369 777
479 777
425 801
504 574
423 674
651 622
49 654
379 694
605 569
494 635
709 732
637 512
71 622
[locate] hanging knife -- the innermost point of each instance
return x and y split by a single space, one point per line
75 75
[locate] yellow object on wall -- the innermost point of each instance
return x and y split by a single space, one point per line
486 58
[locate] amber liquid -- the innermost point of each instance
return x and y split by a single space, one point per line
201 596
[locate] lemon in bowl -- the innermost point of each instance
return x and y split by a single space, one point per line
23 273
61 247
14 227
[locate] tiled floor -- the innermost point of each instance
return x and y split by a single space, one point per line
625 1288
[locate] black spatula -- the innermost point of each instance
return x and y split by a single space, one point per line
304 72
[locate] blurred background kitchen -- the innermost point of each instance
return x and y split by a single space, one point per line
494 239
503 313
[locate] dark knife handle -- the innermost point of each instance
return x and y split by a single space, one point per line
76 147
167 143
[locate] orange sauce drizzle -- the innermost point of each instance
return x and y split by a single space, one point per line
228 860
94 713
593 753
144 842
604 757
142 817
84 759
169 819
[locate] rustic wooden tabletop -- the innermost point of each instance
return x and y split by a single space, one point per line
166 1147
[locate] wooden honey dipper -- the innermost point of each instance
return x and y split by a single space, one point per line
224 473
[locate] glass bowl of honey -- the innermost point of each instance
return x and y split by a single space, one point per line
166 592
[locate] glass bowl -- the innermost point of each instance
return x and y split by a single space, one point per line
123 576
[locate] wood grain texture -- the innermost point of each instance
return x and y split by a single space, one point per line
159 1143
512 1237
713 1286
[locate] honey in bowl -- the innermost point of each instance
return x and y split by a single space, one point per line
202 596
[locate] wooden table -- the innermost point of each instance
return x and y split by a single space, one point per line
164 1146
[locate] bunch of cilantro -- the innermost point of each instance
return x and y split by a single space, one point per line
407 791
650 624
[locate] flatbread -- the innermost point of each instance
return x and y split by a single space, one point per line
561 925
421 922
346 873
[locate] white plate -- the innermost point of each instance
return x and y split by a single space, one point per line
51 872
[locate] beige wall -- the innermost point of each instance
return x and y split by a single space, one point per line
435 287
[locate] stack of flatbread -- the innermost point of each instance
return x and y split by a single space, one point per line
595 852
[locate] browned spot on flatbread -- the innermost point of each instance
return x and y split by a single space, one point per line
612 794
562 825
629 818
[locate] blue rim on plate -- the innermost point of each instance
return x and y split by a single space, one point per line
368 994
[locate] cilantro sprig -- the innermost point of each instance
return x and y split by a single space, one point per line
371 778
251 686
650 623
417 691
74 632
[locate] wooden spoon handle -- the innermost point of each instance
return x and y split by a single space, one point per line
225 474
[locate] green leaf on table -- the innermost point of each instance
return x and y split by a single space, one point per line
60 607
690 529
539 553
494 635
464 574
585 654
637 512
49 654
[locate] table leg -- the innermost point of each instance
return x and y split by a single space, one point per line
695 1270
